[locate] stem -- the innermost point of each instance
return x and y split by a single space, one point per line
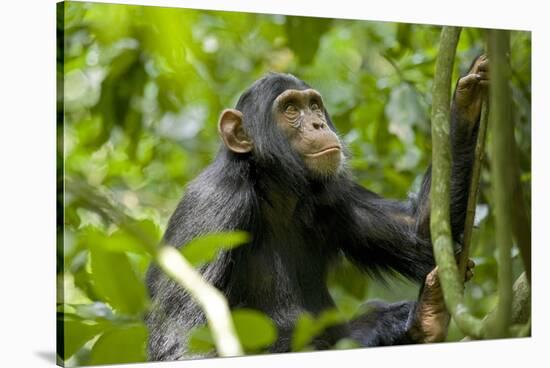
474 189
521 305
521 310
211 300
521 222
521 218
502 130
440 227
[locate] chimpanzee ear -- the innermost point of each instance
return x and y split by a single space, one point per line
232 132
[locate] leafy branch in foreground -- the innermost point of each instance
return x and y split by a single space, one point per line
172 263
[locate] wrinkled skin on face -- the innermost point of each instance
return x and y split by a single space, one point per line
300 114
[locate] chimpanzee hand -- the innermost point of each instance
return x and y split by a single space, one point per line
470 90
432 317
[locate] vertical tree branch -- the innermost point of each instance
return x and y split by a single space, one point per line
474 188
440 190
521 219
521 215
502 130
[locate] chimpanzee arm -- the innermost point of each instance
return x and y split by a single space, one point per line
392 235
395 236
385 235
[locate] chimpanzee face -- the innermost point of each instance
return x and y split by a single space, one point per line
300 114
297 112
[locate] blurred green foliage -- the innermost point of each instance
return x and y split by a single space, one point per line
140 93
205 248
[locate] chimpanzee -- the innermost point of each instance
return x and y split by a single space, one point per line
281 175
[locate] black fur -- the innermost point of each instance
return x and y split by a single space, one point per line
299 226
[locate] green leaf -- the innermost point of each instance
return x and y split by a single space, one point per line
120 240
93 311
308 327
77 333
303 35
347 343
121 345
116 282
205 248
200 340
304 331
346 303
254 328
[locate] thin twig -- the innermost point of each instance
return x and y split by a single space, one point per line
474 189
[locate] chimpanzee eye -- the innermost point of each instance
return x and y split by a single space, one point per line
291 109
292 113
315 106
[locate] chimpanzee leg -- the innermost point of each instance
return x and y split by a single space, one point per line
384 324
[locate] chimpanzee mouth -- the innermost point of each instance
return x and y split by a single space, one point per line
324 151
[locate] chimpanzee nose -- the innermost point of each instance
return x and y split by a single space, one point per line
318 125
